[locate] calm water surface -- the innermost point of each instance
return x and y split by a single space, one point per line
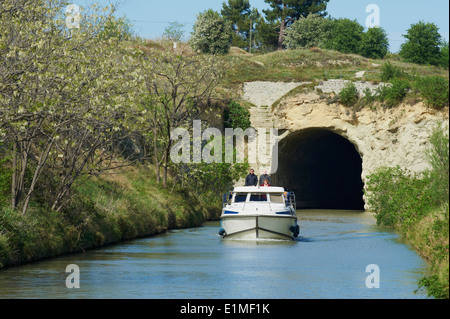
328 261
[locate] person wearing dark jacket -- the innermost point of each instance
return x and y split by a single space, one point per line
263 177
251 179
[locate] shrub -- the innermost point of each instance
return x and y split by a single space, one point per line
212 34
389 72
397 196
393 94
368 98
374 43
237 116
305 32
349 94
436 288
434 90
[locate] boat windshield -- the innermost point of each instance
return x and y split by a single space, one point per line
258 197
276 198
240 197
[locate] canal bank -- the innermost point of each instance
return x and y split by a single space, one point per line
110 210
329 260
104 211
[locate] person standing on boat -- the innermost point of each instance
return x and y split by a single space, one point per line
265 183
265 176
251 179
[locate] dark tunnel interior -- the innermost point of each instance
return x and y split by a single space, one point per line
322 168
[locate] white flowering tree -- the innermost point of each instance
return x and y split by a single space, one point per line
63 105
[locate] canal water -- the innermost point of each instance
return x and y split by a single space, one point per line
328 261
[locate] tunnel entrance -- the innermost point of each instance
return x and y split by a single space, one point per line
323 168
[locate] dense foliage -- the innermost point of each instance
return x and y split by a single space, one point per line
306 32
237 116
242 18
374 43
434 90
418 206
343 35
78 101
289 11
422 44
212 33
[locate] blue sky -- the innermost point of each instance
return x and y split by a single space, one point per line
151 17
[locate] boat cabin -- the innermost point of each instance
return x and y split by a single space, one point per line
260 195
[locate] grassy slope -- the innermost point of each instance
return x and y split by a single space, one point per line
430 237
310 65
106 210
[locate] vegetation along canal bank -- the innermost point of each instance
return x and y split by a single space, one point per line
86 117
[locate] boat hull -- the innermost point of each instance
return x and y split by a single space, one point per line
259 227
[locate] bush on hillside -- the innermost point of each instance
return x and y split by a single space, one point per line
389 72
212 34
349 95
392 95
236 116
305 32
434 90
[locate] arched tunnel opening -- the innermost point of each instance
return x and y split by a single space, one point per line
322 168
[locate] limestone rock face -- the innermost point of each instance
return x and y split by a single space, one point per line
398 136
382 137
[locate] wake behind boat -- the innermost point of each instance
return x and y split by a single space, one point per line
253 212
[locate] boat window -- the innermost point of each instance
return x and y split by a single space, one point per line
276 198
240 197
258 197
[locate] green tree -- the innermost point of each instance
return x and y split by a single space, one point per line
343 35
286 12
242 18
305 32
174 32
120 28
374 43
422 44
236 12
212 33
444 55
266 35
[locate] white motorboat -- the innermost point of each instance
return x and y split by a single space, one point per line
259 212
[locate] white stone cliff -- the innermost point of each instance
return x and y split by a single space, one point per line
382 137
